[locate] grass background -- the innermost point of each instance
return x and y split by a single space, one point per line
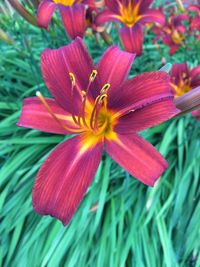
133 225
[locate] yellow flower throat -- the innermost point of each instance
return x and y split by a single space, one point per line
94 118
129 14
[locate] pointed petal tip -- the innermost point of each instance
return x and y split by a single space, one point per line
60 186
137 157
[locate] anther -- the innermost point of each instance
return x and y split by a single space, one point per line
93 75
72 78
102 97
83 93
105 88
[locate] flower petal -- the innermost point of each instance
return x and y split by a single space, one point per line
144 5
195 77
173 49
153 15
114 67
113 5
196 114
35 116
74 19
64 178
140 91
45 12
146 117
195 24
178 19
56 65
138 157
106 16
132 38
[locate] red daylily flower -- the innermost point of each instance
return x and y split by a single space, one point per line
195 21
133 15
184 80
73 14
172 33
104 110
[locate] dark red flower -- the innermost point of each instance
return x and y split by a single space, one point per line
73 14
195 20
103 109
133 15
173 32
184 80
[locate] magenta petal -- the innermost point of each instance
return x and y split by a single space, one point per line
45 12
106 16
114 68
144 5
178 19
141 90
56 65
64 178
196 114
173 49
153 15
35 116
195 23
195 77
113 5
73 18
138 157
132 38
146 117
194 8
195 71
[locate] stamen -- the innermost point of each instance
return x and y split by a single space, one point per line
102 100
93 112
48 108
93 75
105 88
84 94
72 78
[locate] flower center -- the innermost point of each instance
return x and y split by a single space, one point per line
177 37
183 87
129 14
64 2
93 117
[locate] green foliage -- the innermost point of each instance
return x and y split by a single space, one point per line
132 225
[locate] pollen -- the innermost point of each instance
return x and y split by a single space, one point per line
93 75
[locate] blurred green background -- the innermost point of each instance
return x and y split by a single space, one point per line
121 222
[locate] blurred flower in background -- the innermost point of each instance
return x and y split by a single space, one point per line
172 33
134 15
73 14
183 80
